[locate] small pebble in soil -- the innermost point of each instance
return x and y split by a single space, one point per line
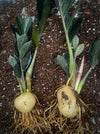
4 88
0 104
48 46
7 113
3 96
93 29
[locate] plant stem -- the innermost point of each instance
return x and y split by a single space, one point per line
22 81
30 70
71 61
21 91
79 74
82 82
72 78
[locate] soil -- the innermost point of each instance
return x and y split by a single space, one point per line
47 76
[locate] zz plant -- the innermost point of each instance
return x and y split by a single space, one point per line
28 115
68 110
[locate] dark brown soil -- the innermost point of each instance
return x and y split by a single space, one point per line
47 76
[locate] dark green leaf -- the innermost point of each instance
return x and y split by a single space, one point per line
26 61
24 25
40 8
14 30
44 15
16 48
17 71
63 61
73 29
94 53
25 49
36 37
73 15
66 6
21 40
19 23
79 50
16 67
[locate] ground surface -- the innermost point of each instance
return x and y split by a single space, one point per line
47 76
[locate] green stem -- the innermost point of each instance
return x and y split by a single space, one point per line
82 82
23 84
21 91
30 70
71 57
72 76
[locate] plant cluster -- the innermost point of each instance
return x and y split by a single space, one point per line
67 110
28 115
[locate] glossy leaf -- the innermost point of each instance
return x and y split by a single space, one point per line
44 15
94 53
75 42
14 30
19 23
40 8
16 67
74 27
16 48
21 40
66 6
73 15
25 49
79 50
26 61
12 60
17 71
24 25
36 37
63 61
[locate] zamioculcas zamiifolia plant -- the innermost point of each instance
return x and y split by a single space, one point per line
28 115
67 111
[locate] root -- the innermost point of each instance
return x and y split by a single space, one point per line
33 121
77 125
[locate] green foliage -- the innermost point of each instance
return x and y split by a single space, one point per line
94 53
94 57
40 8
79 49
72 24
74 27
24 26
23 59
15 64
20 40
75 42
25 49
43 15
36 37
63 61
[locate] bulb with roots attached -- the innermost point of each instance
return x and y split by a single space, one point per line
25 102
28 115
67 102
